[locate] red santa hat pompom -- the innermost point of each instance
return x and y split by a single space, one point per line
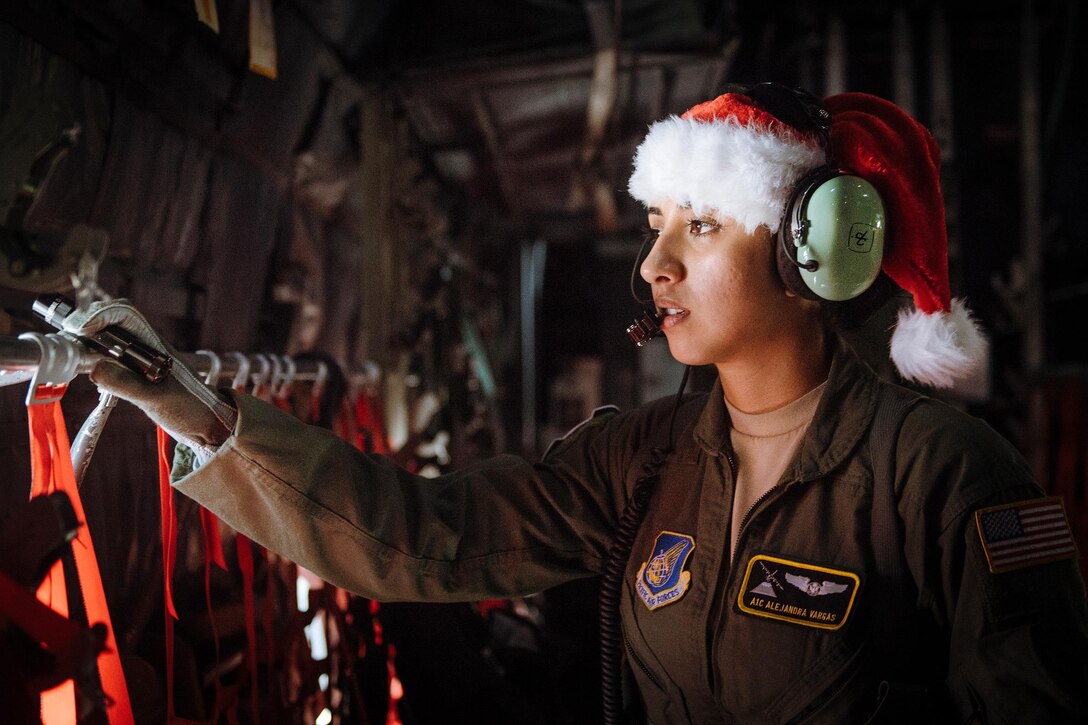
938 341
731 156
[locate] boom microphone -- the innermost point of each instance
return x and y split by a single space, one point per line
646 327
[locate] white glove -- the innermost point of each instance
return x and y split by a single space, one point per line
190 411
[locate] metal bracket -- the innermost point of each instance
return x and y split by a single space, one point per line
60 363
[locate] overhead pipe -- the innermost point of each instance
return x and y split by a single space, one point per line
51 361
19 359
603 92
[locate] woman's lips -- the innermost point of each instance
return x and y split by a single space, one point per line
672 316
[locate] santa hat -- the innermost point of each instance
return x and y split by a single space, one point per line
733 156
727 154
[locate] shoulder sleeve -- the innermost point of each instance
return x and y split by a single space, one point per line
999 567
499 528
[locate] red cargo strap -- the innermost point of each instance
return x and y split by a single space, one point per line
213 554
245 564
169 556
266 620
169 546
51 470
368 417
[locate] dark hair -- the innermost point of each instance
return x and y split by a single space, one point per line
853 313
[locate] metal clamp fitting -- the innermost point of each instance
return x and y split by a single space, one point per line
59 365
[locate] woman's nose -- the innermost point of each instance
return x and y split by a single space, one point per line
660 265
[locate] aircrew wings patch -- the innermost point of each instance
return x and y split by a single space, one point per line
1025 533
797 592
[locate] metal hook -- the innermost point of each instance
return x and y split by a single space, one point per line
321 379
291 369
261 377
242 376
58 366
276 378
215 366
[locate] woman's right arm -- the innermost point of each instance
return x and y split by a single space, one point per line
499 528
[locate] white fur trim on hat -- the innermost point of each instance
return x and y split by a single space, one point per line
743 172
937 349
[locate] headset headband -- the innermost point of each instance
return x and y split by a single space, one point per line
797 108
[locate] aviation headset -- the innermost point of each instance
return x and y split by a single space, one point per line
830 242
831 238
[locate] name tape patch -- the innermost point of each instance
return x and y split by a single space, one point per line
1024 533
792 591
661 578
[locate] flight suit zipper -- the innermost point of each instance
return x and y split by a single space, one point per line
641 665
748 514
716 611
774 490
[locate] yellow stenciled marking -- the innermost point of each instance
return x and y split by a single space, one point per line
792 613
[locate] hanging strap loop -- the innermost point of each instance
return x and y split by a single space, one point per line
51 470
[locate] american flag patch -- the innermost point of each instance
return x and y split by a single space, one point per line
1025 533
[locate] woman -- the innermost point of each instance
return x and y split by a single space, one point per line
804 543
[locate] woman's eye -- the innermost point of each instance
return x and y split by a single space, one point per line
698 227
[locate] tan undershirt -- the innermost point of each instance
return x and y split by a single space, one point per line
765 443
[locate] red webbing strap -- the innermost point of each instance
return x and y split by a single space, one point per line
369 418
363 417
269 601
230 704
51 470
345 425
245 564
213 543
213 554
396 689
169 557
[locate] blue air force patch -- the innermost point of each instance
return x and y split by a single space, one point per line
792 591
661 578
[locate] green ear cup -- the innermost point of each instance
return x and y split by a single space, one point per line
841 241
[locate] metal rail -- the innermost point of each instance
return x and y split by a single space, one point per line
19 359
51 361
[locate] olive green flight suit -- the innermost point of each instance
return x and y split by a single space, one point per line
786 633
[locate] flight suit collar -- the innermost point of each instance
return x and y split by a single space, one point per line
842 417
